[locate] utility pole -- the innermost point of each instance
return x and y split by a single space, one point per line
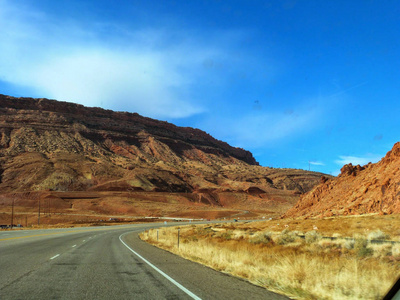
12 214
38 222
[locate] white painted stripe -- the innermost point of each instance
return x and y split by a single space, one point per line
55 256
73 246
159 271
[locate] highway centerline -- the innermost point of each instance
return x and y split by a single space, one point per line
55 256
177 284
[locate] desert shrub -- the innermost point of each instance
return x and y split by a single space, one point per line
298 233
191 238
286 237
312 237
349 244
227 235
262 238
239 234
378 235
204 231
361 247
396 250
268 236
382 250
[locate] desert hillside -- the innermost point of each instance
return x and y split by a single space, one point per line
373 188
54 149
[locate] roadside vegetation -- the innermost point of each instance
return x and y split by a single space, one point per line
304 262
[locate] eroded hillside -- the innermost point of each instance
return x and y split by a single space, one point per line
373 188
50 146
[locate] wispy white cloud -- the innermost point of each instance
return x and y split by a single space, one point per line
264 128
156 72
357 160
135 81
139 70
316 163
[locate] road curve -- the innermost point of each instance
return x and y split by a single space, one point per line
107 263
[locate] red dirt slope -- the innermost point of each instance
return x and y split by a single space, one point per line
373 188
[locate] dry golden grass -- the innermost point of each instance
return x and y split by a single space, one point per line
312 268
344 226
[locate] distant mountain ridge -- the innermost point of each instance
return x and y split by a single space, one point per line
47 145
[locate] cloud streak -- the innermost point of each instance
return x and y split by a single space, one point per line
264 128
160 73
141 70
357 160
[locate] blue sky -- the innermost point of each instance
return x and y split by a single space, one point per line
301 84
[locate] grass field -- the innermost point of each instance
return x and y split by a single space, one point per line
292 257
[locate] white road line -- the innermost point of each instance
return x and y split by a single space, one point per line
73 246
159 271
55 256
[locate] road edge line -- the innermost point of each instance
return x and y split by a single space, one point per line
159 271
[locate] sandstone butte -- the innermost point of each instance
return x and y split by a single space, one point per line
373 188
92 160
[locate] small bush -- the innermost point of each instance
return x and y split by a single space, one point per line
227 235
296 232
263 238
360 243
312 237
349 244
192 238
286 237
361 247
396 250
268 236
382 250
378 235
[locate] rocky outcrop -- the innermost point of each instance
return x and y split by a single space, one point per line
373 188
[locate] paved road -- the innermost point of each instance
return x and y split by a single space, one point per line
107 263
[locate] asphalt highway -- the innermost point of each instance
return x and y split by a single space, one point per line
107 263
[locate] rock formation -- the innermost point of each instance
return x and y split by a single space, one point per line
373 188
